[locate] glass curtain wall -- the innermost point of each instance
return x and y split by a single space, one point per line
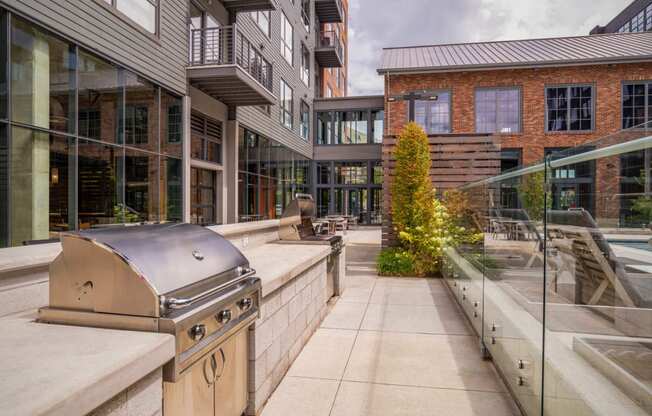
559 286
269 175
83 143
349 127
352 188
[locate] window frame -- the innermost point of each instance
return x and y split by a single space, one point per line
305 68
255 17
285 113
518 89
111 5
568 110
304 124
647 105
285 23
450 111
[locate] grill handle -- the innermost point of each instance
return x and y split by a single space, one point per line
179 303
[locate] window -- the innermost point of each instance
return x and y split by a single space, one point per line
497 110
305 120
638 22
350 127
637 104
286 107
434 115
377 119
287 39
648 17
378 173
569 108
141 186
171 124
206 139
324 127
305 14
305 65
351 173
141 112
263 21
203 191
329 92
323 173
142 12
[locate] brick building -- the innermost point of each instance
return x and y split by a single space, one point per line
334 79
529 98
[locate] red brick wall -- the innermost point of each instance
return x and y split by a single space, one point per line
607 81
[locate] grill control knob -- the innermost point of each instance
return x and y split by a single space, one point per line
197 332
245 304
224 316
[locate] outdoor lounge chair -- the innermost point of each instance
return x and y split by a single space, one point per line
600 277
527 230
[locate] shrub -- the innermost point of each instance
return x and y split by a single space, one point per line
395 262
412 193
531 191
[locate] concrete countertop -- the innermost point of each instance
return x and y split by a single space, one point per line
277 264
68 370
26 257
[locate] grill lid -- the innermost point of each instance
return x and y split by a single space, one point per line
170 256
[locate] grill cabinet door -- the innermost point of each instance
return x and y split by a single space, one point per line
231 386
193 394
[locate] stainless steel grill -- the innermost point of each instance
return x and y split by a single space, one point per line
179 279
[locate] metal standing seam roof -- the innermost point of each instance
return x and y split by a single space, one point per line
608 48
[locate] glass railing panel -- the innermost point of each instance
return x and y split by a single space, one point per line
598 312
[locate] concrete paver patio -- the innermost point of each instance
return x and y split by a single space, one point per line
390 346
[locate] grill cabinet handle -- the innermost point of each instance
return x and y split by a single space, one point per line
178 303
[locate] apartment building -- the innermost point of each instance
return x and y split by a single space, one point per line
334 80
515 102
115 111
636 17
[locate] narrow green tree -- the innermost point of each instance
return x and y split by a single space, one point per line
412 192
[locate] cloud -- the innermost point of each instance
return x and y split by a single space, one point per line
375 24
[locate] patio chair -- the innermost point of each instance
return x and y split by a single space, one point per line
600 277
527 229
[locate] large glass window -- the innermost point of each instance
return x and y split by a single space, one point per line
99 101
203 191
378 119
497 110
287 105
287 39
263 21
171 189
99 186
141 113
171 124
569 108
141 186
305 65
42 78
351 127
40 181
637 104
323 173
305 120
206 139
434 115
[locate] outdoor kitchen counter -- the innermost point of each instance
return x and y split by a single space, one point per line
277 264
68 370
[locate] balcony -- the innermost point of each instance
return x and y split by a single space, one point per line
329 11
236 6
225 65
329 52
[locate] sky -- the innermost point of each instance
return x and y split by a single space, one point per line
375 24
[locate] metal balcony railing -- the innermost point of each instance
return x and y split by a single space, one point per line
330 39
226 45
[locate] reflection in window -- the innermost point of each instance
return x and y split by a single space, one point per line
141 186
171 189
637 104
141 112
262 19
497 110
142 12
351 173
305 65
42 79
99 95
378 173
202 196
98 184
35 186
324 127
323 173
286 105
378 118
434 115
287 39
351 127
305 120
569 108
171 124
